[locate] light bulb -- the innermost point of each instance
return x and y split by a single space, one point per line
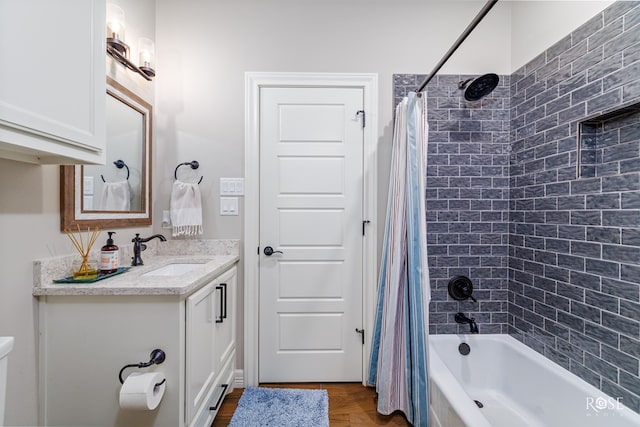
115 21
146 49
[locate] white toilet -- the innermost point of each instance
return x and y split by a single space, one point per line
6 344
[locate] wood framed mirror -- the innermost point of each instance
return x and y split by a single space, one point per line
117 194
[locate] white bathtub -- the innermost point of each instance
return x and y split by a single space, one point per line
516 386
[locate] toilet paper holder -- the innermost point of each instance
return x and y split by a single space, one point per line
157 357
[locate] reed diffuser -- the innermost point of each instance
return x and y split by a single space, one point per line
86 270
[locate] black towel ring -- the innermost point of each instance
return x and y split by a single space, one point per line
119 164
194 165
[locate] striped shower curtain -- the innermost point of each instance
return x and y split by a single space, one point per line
398 364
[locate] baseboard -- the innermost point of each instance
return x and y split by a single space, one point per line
238 378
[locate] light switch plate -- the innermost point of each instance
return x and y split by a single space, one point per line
231 186
228 206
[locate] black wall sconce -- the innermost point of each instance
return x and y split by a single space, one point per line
119 50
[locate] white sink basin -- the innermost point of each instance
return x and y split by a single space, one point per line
174 269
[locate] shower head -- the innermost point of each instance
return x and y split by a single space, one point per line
480 87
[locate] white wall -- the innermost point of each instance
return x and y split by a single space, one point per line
537 25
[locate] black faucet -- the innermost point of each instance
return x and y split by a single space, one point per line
139 246
462 319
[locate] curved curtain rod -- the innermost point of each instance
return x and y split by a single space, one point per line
485 9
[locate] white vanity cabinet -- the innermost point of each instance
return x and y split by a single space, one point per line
86 339
52 81
210 347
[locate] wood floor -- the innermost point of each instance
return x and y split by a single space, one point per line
349 405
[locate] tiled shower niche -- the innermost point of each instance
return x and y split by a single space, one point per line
609 144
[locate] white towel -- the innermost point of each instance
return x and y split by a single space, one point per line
116 196
186 209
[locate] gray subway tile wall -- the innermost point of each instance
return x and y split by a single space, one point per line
467 199
588 303
554 255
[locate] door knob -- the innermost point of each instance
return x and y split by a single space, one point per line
268 251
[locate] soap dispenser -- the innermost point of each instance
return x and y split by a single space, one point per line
109 256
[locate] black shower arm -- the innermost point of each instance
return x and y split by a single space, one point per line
463 83
485 9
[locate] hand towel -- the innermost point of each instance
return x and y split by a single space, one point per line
186 209
116 196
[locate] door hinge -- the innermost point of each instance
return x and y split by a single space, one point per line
361 332
361 112
364 225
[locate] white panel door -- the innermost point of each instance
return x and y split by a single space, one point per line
311 210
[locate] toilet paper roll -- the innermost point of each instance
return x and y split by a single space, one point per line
139 391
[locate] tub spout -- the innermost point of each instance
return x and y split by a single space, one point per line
462 319
474 326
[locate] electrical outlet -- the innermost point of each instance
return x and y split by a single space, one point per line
166 219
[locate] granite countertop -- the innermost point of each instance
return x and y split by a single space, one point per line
213 258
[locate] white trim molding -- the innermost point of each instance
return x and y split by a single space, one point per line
238 378
254 81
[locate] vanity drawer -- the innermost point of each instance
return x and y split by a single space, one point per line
221 387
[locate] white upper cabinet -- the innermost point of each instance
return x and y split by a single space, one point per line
52 81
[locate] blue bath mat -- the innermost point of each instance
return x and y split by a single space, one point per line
282 407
